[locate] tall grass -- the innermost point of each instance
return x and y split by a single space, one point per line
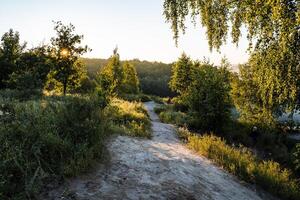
167 114
47 139
129 118
242 163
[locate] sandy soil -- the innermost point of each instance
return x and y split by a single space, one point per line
160 168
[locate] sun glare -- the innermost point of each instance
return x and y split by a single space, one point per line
64 52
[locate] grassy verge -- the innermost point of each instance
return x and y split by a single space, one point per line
129 118
47 139
241 162
142 98
168 114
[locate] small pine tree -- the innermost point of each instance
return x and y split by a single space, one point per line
131 81
181 74
111 76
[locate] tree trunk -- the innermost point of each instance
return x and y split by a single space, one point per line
65 88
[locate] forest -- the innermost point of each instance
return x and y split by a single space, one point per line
151 75
61 114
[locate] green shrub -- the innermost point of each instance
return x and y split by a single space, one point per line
178 118
45 139
296 158
145 98
21 95
156 99
135 97
242 163
167 114
131 118
161 108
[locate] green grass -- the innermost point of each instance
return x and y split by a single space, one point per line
135 97
47 139
168 114
141 98
241 162
129 118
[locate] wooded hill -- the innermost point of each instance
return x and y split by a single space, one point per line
154 76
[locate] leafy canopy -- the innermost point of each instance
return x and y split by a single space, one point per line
117 78
181 74
265 20
10 52
204 90
66 50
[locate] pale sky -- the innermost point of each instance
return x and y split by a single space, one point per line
136 26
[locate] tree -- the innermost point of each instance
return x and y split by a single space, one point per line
10 52
262 90
245 97
68 70
208 97
181 77
111 76
32 69
130 81
273 25
265 20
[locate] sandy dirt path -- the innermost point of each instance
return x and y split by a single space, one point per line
160 168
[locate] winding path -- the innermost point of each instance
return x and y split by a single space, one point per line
160 168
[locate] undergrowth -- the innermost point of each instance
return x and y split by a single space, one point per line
129 118
167 114
47 139
241 162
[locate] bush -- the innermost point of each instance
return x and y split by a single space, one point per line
21 95
135 97
172 117
168 114
44 139
156 99
296 158
129 118
241 162
160 109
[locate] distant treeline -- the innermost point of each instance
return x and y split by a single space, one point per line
153 76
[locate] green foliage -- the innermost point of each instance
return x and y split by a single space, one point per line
204 90
264 20
33 67
262 91
20 95
130 82
87 86
168 114
269 83
65 51
242 163
118 79
10 53
129 118
111 76
182 76
136 97
208 97
296 158
246 99
153 76
45 139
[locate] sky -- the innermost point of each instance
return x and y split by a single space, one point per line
137 27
